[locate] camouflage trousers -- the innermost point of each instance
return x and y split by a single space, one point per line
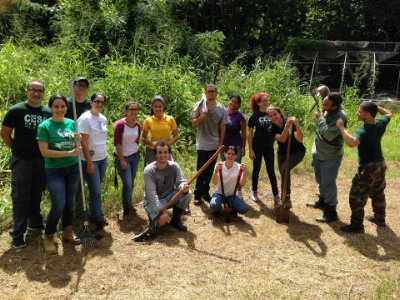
369 182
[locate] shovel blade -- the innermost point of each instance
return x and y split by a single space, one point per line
282 214
142 235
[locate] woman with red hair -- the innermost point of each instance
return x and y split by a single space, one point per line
261 144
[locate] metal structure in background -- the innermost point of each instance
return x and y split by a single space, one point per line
376 63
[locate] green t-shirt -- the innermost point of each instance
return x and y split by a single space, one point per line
80 108
59 136
24 120
370 136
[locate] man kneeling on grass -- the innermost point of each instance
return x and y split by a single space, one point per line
163 179
370 178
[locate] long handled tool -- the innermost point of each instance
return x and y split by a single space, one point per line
85 234
227 207
149 228
237 184
282 212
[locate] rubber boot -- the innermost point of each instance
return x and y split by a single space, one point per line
100 228
49 245
68 236
330 214
288 202
320 204
176 219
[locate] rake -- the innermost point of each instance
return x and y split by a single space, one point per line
85 235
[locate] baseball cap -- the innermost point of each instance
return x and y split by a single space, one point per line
81 79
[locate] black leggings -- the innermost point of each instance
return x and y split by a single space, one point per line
269 158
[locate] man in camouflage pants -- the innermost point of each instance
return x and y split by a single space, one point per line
370 179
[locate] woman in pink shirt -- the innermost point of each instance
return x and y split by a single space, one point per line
126 152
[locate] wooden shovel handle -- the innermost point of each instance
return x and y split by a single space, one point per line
166 206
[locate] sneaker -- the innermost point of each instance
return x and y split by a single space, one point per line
254 197
18 244
197 201
187 211
352 229
278 200
376 221
239 194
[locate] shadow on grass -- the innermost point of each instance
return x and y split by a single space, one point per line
382 247
54 269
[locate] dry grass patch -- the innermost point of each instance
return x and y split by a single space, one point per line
252 257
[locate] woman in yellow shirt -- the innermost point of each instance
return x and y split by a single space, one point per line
160 126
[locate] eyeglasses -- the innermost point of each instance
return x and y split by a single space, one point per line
82 86
99 102
133 109
211 91
33 91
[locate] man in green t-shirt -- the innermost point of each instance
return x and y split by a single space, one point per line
370 179
82 102
28 177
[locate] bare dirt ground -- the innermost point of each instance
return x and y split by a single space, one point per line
252 257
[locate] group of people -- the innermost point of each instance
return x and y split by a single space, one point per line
50 144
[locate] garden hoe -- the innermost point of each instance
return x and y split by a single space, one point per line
86 236
153 224
282 212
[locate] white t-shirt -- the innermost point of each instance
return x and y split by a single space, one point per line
230 177
96 128
129 145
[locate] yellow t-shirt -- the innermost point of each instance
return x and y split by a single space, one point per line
159 129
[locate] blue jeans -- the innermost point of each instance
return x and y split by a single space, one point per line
269 159
28 181
326 172
182 202
62 184
128 178
238 204
94 184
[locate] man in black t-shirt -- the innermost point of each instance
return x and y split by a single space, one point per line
28 178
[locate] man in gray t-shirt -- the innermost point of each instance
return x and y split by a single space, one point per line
163 179
210 117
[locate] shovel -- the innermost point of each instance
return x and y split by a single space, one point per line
282 212
148 230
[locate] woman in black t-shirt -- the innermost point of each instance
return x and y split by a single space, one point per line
280 132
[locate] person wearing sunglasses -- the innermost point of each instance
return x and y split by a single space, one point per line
92 125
